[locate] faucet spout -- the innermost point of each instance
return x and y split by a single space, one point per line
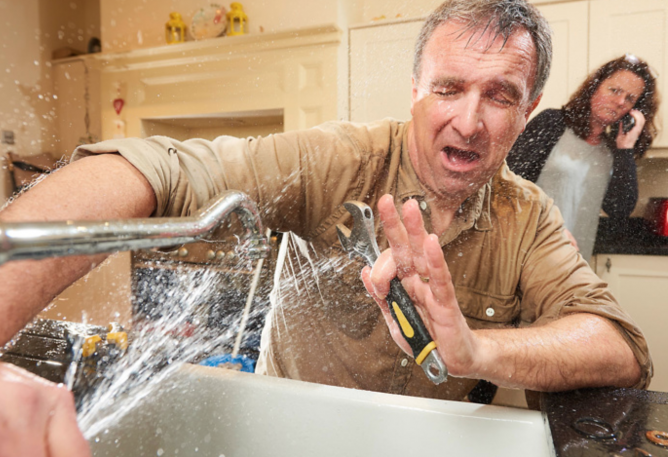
39 240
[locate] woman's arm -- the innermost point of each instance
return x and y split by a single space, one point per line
531 150
622 193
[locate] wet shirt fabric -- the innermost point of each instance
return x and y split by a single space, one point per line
576 176
511 264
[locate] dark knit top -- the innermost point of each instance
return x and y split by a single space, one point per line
532 149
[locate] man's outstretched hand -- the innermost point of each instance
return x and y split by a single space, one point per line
37 417
417 259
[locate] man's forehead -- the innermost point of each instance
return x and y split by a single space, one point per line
483 37
457 39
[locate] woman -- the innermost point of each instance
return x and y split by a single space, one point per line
582 156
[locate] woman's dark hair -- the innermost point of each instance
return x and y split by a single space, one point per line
578 109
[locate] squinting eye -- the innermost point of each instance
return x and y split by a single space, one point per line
445 92
499 99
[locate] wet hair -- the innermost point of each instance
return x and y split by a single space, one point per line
578 109
504 17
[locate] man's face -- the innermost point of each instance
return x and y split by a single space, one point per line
469 105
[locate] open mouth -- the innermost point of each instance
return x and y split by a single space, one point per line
460 156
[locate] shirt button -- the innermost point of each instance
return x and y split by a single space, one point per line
404 362
423 205
489 311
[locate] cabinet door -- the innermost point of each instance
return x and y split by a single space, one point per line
569 22
638 27
640 284
381 63
71 84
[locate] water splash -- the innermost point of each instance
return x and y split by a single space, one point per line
174 333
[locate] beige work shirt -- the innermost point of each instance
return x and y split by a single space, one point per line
510 262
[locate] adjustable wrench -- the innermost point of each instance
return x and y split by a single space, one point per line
362 241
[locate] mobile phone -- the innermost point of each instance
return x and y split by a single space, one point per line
627 121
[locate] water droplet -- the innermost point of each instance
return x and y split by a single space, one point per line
160 452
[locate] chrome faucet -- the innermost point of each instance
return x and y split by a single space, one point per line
38 240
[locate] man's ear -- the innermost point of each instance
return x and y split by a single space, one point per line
533 106
530 109
413 93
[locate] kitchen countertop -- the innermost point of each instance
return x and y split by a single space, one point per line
632 236
607 422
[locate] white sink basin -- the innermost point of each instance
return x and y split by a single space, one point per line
215 412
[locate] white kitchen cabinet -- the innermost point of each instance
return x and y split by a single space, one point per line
381 61
569 23
587 33
638 27
73 78
640 284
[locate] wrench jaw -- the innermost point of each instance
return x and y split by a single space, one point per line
354 246
434 367
343 233
359 240
362 236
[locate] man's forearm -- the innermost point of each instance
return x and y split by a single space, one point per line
580 350
94 188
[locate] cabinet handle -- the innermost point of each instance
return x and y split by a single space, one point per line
608 264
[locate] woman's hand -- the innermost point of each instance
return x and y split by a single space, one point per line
628 140
417 259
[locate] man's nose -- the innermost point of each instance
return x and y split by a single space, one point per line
467 120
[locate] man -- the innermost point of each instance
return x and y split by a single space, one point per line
507 299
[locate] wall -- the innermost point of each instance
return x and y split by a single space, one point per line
25 87
72 78
393 9
34 28
652 182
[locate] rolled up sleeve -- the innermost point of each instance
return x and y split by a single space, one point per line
556 282
296 178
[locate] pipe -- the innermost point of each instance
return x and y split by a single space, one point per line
249 302
39 240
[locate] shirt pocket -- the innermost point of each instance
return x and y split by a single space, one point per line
347 304
485 310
